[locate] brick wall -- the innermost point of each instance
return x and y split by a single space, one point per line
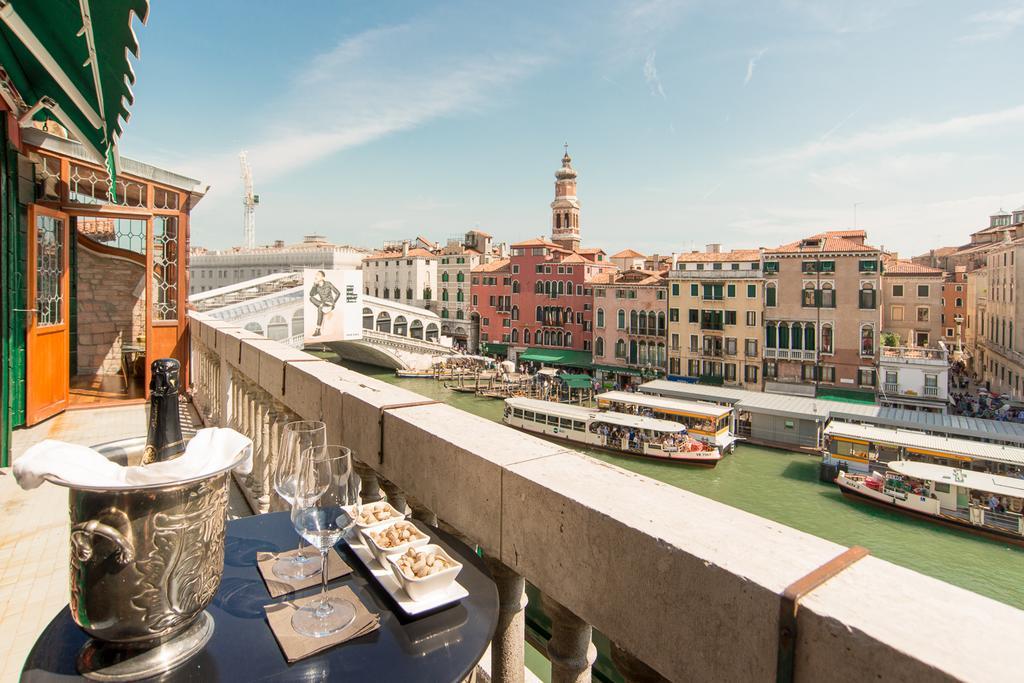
111 309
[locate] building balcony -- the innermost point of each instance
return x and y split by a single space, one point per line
472 475
912 355
789 354
715 275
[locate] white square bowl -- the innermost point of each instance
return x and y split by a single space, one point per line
395 514
380 553
421 589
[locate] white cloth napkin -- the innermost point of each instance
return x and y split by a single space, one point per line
209 450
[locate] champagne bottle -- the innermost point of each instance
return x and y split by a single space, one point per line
163 441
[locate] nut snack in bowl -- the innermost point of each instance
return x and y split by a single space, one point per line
424 570
392 537
372 514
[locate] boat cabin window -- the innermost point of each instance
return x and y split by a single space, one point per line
516 412
552 420
940 488
577 425
528 415
565 423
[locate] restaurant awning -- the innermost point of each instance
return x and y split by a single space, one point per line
615 369
572 359
493 347
577 381
69 61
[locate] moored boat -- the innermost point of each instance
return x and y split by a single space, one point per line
617 432
987 504
707 422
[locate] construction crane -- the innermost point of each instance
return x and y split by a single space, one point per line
249 202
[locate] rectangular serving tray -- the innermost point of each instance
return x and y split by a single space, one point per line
386 580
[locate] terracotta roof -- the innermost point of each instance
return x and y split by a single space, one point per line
626 277
590 250
628 253
575 258
904 267
538 242
830 241
734 255
492 266
413 253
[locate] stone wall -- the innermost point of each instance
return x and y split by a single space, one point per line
111 309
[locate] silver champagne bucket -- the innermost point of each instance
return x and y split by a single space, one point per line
145 563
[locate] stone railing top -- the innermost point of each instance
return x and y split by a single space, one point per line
689 585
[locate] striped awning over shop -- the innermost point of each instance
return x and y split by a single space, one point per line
69 61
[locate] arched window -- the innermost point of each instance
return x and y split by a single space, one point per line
367 319
383 321
797 338
568 287
621 319
459 296
783 336
515 335
809 337
661 322
561 287
599 346
444 276
460 276
400 326
547 287
633 324
254 327
959 303
770 298
408 294
642 353
416 329
538 288
444 295
568 315
828 296
515 286
620 348
558 338
459 314
432 332
600 318
526 335
398 294
641 319
568 338
547 337
298 318
826 338
867 340
540 314
632 351
515 313
661 354
769 336
810 295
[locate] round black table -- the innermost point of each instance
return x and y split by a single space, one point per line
442 646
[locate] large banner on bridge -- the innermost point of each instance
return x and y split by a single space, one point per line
332 305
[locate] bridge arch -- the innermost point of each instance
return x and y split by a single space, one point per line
254 327
384 322
367 318
277 328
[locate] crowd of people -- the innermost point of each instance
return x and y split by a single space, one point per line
970 400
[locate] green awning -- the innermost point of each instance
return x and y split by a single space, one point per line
572 359
857 396
577 381
69 61
493 347
618 370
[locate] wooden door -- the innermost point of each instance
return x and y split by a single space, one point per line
47 344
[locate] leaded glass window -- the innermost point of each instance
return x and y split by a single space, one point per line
50 246
165 267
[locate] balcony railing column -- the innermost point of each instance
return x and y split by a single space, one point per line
266 475
509 645
369 483
394 494
422 512
632 669
570 649
258 447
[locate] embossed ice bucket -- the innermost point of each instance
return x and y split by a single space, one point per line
145 563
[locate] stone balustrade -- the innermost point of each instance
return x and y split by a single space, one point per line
685 587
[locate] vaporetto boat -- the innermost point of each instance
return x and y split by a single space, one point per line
616 432
708 422
983 503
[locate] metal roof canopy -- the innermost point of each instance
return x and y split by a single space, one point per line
706 409
70 61
919 441
821 410
978 481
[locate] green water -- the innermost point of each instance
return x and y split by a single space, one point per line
784 487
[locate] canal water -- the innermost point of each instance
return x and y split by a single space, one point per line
784 487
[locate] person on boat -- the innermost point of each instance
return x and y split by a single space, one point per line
993 502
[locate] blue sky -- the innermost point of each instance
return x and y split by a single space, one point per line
747 123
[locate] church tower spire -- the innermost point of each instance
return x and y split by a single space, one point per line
565 210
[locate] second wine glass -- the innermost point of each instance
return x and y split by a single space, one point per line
296 439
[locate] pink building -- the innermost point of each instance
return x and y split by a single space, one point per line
630 325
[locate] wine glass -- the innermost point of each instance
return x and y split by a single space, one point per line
323 487
296 439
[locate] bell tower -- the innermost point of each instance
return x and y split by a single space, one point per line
565 210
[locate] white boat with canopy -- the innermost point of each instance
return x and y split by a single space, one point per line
618 432
705 421
988 504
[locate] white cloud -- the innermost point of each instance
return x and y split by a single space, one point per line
900 133
651 76
993 24
752 64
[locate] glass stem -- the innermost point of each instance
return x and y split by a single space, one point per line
324 608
